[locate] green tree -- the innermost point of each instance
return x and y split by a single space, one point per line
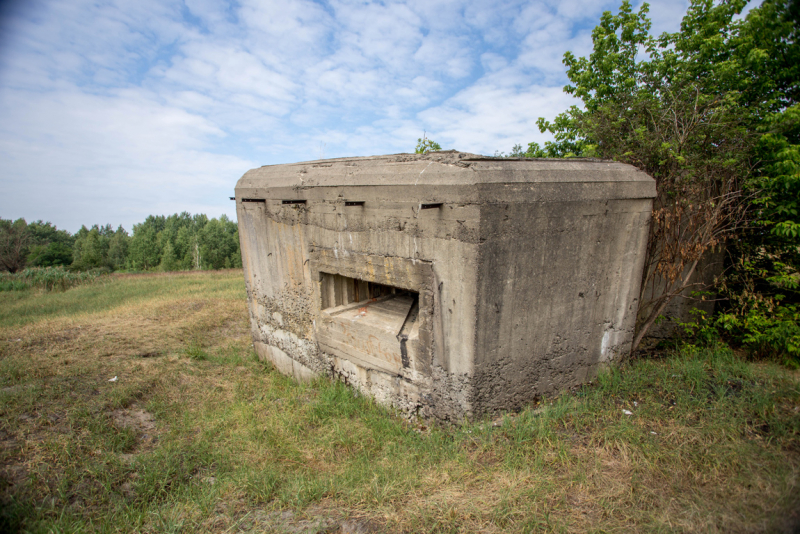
51 255
763 288
49 245
184 241
146 246
90 250
118 249
185 244
687 112
143 250
15 238
169 261
425 145
219 244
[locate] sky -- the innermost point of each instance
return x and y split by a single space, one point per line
112 110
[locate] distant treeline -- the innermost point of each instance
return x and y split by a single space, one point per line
177 242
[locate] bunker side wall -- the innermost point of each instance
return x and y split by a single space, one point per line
278 291
558 286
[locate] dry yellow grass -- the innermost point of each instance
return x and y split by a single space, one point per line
196 435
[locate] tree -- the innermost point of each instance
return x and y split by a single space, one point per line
169 261
143 250
185 241
219 246
763 289
118 249
49 245
425 145
50 255
15 239
688 113
91 248
516 152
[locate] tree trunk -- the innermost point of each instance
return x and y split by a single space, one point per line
660 308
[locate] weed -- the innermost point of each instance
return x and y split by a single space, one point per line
195 351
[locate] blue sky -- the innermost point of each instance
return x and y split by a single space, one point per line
114 110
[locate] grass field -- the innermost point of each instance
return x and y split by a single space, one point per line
196 435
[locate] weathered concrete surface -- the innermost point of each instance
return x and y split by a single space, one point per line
508 279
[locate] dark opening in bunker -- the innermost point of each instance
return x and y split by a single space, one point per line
337 290
375 324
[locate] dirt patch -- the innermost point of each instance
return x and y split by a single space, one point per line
65 335
138 420
52 338
196 306
12 472
314 521
232 329
141 422
12 475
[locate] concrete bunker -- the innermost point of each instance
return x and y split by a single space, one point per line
445 284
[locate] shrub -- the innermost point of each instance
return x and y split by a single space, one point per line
47 278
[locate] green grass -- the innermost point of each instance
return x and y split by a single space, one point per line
19 308
197 435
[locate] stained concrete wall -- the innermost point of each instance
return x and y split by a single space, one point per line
527 275
559 283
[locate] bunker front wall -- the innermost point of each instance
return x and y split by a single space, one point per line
520 289
390 240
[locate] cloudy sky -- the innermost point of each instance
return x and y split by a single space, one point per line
111 110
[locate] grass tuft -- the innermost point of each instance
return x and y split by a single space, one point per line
195 351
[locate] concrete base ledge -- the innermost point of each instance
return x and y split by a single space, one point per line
283 362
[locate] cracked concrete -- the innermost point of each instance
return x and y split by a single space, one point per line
524 273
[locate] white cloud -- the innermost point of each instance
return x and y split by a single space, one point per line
490 117
68 155
111 110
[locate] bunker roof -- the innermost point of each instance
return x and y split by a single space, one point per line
446 169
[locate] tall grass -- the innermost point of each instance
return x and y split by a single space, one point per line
46 278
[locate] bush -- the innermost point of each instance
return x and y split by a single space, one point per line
765 333
48 279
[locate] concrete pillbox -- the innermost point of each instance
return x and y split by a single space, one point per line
446 284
